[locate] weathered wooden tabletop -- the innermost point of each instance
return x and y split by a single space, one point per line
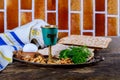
109 69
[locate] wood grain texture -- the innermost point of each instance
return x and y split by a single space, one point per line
40 9
26 17
100 5
1 22
63 14
51 4
88 33
88 15
112 26
75 24
100 25
62 34
75 5
112 7
26 4
52 18
1 4
12 14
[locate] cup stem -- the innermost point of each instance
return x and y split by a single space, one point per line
50 54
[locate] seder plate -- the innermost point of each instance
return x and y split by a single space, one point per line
92 62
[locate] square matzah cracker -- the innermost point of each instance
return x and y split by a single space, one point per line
57 48
90 41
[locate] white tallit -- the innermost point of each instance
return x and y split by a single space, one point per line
17 38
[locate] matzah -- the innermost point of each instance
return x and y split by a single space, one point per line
89 41
56 50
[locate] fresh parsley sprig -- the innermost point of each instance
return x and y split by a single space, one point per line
78 54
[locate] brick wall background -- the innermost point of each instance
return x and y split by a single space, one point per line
82 17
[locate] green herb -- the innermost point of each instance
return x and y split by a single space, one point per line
78 54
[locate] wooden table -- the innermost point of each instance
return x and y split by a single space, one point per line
109 69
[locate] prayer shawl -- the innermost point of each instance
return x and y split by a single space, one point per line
17 38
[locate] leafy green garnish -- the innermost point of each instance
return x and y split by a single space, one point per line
78 54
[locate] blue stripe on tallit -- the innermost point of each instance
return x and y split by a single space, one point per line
17 39
2 42
1 66
15 48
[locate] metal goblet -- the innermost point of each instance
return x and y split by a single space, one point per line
49 33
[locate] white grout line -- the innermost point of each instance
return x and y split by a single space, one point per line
100 12
33 9
63 30
81 17
118 28
22 10
94 3
19 13
80 13
5 15
88 31
112 15
106 22
57 12
69 18
75 12
46 10
2 10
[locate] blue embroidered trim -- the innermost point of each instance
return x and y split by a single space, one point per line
2 42
17 39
